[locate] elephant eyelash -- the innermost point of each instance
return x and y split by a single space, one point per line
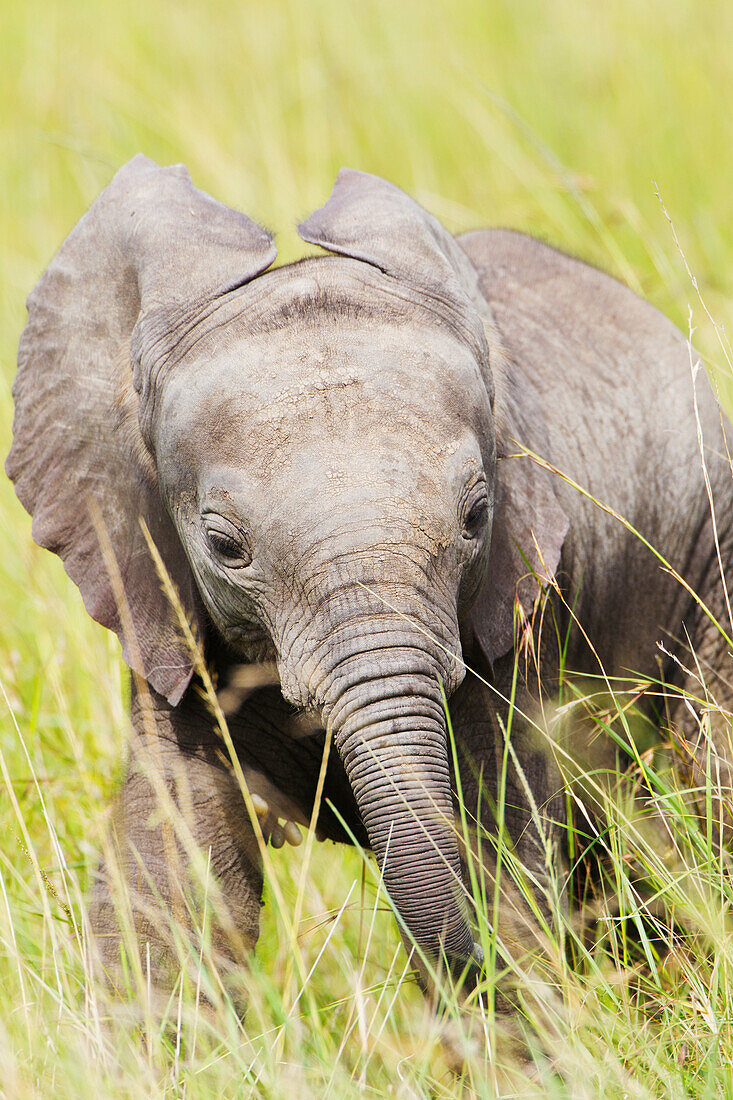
476 512
226 544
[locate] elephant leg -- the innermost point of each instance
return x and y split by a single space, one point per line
700 719
181 874
275 743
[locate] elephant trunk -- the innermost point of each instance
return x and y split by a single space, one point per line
389 729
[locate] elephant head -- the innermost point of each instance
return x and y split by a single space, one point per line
319 453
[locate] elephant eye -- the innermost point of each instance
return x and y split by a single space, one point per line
475 517
226 544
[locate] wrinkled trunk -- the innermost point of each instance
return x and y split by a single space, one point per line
386 713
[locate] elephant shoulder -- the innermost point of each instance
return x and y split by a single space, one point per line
621 396
565 301
579 333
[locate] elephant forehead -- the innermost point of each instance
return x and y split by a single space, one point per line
286 387
320 339
324 353
369 454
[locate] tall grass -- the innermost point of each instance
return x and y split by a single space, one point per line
554 119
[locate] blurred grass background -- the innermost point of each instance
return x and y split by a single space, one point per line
550 118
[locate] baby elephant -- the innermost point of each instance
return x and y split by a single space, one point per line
365 473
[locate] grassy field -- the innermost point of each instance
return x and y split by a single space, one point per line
574 121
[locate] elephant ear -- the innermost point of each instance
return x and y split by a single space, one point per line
374 221
151 254
529 524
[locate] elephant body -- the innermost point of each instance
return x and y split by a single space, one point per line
370 471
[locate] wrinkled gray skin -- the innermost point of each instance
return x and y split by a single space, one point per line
323 455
